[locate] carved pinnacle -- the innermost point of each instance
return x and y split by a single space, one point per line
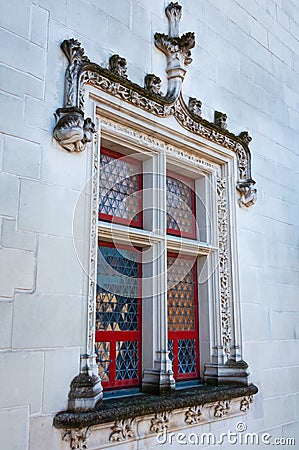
174 14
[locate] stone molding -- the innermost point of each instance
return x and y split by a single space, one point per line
107 433
73 132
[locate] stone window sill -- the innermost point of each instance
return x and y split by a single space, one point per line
120 408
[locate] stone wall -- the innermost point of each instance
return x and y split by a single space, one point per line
246 63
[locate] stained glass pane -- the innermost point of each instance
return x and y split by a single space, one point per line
180 297
117 290
186 356
102 350
180 206
120 184
126 360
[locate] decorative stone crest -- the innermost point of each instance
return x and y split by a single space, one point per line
194 106
160 422
222 409
220 120
122 430
118 65
245 403
152 83
193 415
77 438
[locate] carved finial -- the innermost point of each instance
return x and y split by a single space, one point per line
118 65
152 83
174 14
194 106
220 120
74 51
248 194
245 137
177 51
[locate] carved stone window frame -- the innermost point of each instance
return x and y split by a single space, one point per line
127 113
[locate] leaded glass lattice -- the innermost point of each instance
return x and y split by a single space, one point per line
180 297
118 333
102 350
182 316
120 188
180 207
186 356
126 360
117 290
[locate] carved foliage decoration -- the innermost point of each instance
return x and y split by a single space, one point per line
193 415
245 403
122 430
77 438
160 423
222 409
224 265
73 131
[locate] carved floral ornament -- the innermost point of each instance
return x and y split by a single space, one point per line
73 132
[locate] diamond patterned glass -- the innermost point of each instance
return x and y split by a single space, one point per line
120 188
118 315
126 360
117 290
102 350
182 316
186 356
180 297
180 206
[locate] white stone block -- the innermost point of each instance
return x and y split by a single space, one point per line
39 25
22 375
18 271
38 114
47 321
59 270
141 17
258 32
46 208
14 428
260 55
13 238
61 366
21 54
120 11
9 194
20 83
19 12
56 8
6 323
93 22
44 436
21 157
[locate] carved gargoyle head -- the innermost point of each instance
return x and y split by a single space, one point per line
194 106
245 137
220 120
118 65
152 83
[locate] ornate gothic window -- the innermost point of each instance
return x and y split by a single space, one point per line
163 303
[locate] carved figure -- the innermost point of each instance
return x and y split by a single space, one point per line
118 65
220 120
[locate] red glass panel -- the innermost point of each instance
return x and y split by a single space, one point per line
183 317
120 188
180 197
118 315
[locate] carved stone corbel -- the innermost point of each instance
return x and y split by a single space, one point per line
72 131
77 438
177 50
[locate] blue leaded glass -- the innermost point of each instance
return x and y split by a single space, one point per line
126 360
186 356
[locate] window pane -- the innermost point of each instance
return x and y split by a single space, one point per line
182 317
180 199
120 188
118 315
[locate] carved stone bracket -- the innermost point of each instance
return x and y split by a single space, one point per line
122 430
73 131
245 403
193 415
160 423
222 409
77 438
